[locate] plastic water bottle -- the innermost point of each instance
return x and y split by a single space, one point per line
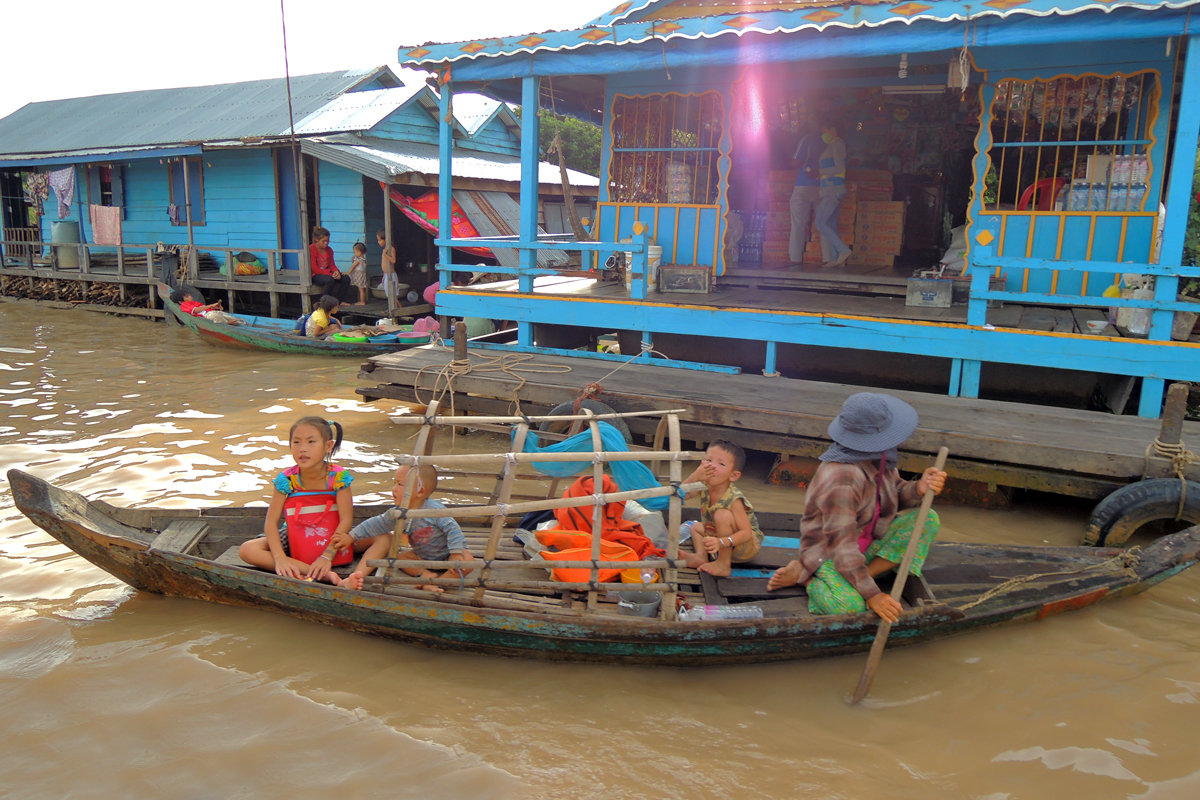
740 611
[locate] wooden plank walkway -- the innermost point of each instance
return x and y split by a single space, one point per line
1059 450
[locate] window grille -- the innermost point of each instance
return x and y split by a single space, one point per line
1071 143
665 148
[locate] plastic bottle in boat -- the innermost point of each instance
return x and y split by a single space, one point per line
721 612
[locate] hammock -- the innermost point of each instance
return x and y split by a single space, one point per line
629 475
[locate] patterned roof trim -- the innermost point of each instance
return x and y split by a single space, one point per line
620 12
863 15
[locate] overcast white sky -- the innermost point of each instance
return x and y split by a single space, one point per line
73 48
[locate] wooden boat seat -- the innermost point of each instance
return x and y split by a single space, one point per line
181 535
230 558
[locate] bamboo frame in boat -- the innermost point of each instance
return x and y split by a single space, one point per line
525 458
468 566
481 583
549 504
470 421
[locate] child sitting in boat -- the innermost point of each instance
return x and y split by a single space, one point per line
321 321
424 538
728 530
313 500
853 529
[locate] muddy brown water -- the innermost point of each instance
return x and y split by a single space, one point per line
107 692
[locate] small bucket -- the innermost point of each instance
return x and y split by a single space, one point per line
639 604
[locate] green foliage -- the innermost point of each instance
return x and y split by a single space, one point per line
580 140
1191 237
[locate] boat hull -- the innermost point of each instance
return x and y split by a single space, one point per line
125 551
268 333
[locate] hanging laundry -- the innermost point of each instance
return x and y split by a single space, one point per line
37 189
62 181
106 224
173 213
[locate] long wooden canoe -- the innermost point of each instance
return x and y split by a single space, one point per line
270 333
192 553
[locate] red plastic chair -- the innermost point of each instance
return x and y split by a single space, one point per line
1045 199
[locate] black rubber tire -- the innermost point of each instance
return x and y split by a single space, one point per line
1118 516
594 406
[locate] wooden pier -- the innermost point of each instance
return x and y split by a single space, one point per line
1001 444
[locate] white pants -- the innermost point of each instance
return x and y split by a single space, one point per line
804 199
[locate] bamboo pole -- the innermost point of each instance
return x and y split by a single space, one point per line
481 583
471 566
597 511
527 458
423 446
414 419
500 513
674 514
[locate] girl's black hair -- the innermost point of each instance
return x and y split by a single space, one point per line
360 246
328 303
328 430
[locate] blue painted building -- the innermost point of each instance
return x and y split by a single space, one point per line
1048 134
249 166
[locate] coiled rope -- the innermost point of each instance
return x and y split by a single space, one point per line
1124 561
1180 458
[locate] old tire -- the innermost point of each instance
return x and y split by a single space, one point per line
1123 512
594 406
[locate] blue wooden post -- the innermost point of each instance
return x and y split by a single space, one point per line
445 178
529 194
641 262
965 372
1179 190
769 368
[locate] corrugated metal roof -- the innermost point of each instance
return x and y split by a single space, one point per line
171 116
473 110
384 159
636 22
355 111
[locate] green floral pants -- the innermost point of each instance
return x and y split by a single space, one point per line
830 593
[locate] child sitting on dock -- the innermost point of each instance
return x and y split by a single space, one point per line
358 273
321 321
314 502
728 530
426 538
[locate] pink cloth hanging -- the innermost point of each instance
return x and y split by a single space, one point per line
106 224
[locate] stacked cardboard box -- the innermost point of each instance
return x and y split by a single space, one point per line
878 233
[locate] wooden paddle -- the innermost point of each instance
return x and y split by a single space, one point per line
885 627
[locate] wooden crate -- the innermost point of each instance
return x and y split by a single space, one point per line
684 278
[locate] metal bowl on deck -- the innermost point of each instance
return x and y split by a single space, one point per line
381 294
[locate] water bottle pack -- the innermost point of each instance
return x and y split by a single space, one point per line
740 611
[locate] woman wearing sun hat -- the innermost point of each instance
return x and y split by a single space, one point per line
854 526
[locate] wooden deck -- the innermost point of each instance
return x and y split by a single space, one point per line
1063 451
822 292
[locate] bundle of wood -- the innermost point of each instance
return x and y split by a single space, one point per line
104 294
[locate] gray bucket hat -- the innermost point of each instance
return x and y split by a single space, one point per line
872 423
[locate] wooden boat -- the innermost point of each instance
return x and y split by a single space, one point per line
270 333
508 606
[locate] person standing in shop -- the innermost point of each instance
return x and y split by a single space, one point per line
834 251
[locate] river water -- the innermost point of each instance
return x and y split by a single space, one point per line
107 692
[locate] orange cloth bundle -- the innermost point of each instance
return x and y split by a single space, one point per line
620 539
